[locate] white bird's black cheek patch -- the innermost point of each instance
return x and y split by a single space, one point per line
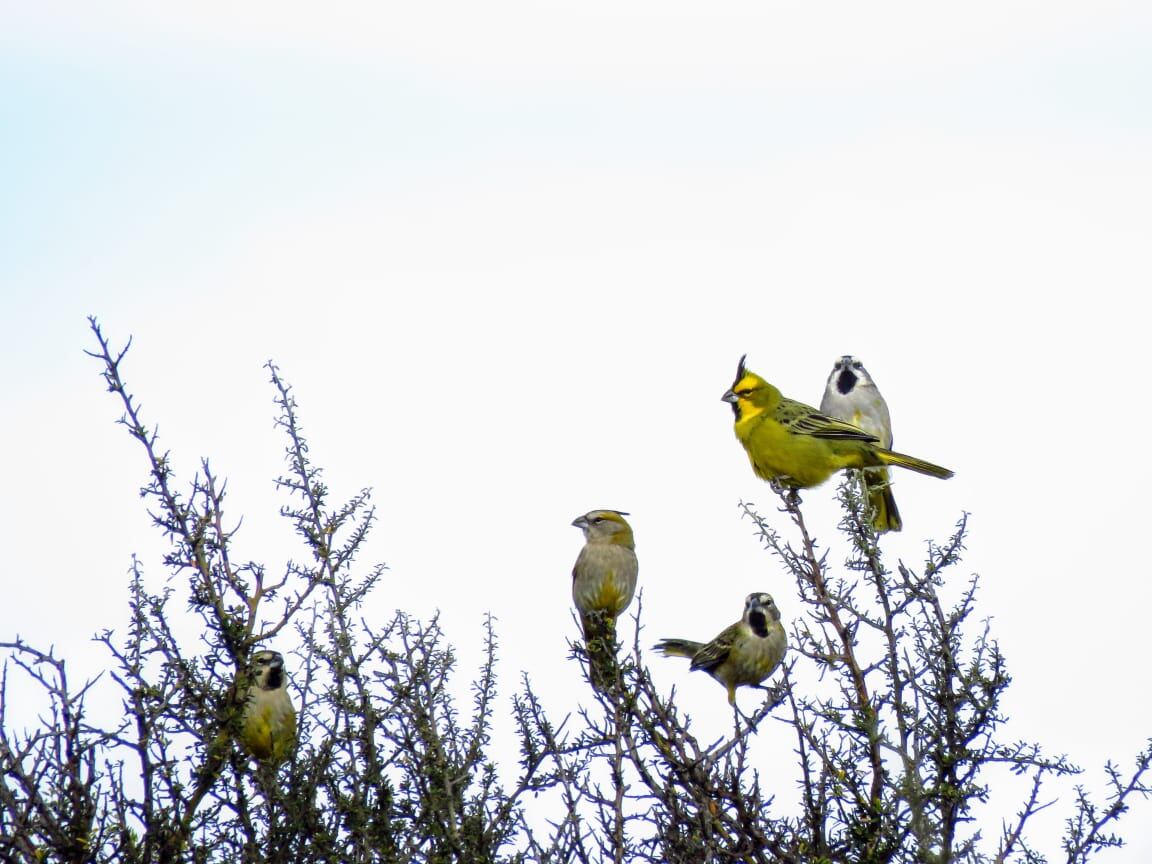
845 381
758 621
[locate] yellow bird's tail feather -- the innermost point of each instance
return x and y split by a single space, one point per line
891 457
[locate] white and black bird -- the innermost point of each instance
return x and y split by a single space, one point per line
851 395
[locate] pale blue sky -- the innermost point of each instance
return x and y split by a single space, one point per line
510 253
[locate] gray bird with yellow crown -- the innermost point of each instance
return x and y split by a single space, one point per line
603 582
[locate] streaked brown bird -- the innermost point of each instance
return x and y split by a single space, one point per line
268 727
744 654
603 582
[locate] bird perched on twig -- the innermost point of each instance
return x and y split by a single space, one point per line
268 726
852 395
744 654
603 582
795 445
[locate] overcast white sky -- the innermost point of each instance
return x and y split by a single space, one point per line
509 254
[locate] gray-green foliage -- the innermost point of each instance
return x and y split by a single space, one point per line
893 695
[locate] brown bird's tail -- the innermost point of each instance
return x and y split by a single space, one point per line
885 516
678 647
891 457
600 642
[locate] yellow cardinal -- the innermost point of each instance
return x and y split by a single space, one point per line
797 446
744 654
852 395
603 582
268 727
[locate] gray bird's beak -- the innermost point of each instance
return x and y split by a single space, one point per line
729 397
580 522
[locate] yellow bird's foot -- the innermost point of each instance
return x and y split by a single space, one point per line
790 496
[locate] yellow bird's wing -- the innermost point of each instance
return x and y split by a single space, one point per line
801 419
